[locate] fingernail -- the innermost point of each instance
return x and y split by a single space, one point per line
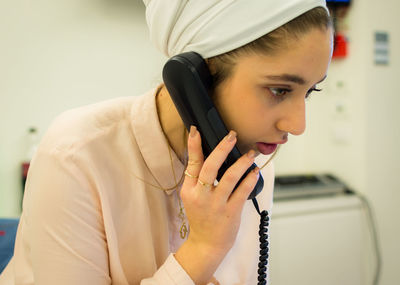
251 154
231 136
193 131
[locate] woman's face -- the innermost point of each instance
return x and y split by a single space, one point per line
264 98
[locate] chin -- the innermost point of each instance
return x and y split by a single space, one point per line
246 148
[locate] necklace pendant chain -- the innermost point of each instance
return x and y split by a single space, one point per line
183 231
181 214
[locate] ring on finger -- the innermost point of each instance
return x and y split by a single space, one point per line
190 175
193 162
204 183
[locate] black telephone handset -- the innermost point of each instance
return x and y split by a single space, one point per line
189 82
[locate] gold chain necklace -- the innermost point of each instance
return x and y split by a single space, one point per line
183 231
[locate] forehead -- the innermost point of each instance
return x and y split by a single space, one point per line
308 56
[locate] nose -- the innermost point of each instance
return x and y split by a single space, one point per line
293 119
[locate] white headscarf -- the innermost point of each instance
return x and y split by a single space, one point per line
213 27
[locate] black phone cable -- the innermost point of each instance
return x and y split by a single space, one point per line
263 234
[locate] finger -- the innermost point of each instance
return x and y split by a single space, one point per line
212 164
243 191
196 157
234 173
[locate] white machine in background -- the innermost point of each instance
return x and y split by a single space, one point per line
320 238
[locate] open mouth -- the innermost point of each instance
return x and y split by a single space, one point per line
266 148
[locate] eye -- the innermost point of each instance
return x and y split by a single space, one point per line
311 90
279 92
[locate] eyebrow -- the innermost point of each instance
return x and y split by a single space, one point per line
291 78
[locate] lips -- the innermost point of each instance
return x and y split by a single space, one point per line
266 148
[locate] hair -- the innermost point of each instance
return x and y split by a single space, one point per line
222 65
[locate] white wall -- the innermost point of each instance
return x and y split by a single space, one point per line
383 137
55 55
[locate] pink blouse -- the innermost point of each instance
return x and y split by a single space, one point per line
88 218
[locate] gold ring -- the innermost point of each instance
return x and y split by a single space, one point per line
190 175
204 184
193 162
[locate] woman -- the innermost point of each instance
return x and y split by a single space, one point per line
103 203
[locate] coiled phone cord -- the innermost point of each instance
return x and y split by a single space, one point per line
263 233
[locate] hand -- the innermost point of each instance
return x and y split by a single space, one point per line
213 212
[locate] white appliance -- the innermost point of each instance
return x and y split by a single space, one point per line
318 241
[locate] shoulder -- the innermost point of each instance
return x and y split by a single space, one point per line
76 128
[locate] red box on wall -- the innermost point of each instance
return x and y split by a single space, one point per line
340 46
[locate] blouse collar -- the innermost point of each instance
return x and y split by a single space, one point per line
153 143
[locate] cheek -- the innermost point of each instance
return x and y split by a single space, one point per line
248 115
234 109
247 109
